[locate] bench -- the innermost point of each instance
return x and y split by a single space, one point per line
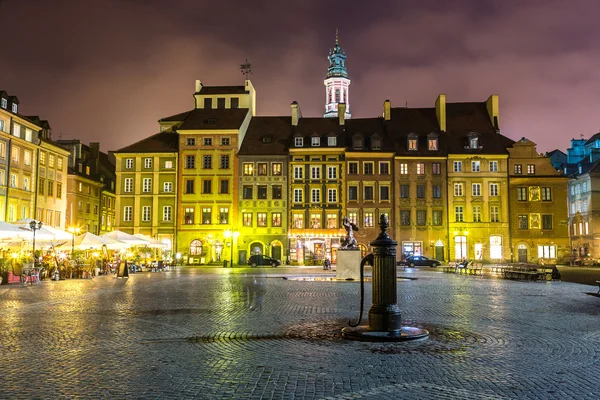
475 269
451 267
530 272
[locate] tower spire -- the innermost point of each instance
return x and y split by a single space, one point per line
336 81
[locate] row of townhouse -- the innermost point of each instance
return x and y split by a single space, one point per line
220 183
42 179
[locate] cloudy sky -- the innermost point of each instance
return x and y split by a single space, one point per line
107 70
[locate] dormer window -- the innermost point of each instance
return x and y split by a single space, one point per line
357 143
4 103
315 141
413 142
332 141
375 143
432 142
298 141
473 141
15 108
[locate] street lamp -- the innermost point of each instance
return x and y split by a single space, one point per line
34 227
73 230
233 235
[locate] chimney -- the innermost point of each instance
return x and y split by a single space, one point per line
198 86
342 113
296 113
493 111
387 110
95 150
440 111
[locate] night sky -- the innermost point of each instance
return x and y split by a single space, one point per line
107 70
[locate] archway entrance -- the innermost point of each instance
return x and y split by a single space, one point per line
256 248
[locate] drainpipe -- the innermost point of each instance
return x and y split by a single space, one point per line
448 210
7 177
35 192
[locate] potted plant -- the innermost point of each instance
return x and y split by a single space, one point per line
5 266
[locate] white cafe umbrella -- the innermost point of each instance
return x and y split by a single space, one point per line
151 242
125 238
41 234
85 241
9 231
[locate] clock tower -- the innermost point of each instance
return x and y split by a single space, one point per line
336 82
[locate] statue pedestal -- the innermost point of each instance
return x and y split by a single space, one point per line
348 264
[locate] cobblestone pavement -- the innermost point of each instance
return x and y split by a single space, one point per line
249 334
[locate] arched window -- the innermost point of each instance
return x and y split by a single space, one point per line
196 248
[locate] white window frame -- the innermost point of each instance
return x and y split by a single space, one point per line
168 187
476 189
16 130
298 195
298 141
315 195
298 172
128 185
128 163
148 163
315 141
332 195
475 166
147 185
331 172
493 166
127 213
27 157
146 213
315 173
457 166
494 190
331 141
168 164
458 190
28 135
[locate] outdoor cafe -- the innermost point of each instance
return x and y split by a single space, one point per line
31 252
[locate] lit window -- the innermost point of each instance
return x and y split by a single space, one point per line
276 168
475 166
404 169
261 219
168 164
531 169
14 154
298 220
432 144
315 221
412 144
207 216
368 219
276 219
247 219
420 169
315 141
248 169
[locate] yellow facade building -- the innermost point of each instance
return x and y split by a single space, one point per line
538 207
146 188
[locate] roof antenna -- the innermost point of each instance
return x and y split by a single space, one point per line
245 68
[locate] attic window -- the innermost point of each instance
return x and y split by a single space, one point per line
357 143
267 139
474 142
4 103
413 144
14 108
315 141
432 142
298 141
331 141
375 143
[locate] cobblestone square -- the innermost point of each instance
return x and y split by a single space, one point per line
200 333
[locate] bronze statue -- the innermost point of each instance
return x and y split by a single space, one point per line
349 242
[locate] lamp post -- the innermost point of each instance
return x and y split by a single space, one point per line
228 234
34 227
74 230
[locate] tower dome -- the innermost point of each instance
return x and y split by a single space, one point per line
336 81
